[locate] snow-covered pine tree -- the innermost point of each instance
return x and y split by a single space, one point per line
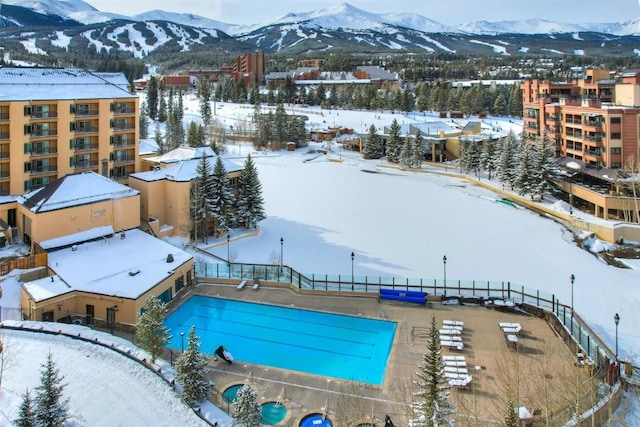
246 409
489 156
191 371
143 121
221 198
26 412
473 157
394 144
524 181
417 151
204 96
405 152
151 333
506 169
50 407
431 400
373 145
542 164
250 204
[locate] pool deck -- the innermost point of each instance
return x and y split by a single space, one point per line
489 358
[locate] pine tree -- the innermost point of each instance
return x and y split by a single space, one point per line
152 97
405 153
524 172
247 411
472 154
373 145
489 156
26 412
143 121
162 108
152 335
507 162
417 151
500 106
221 198
431 401
191 372
543 163
201 202
50 408
394 144
250 206
160 141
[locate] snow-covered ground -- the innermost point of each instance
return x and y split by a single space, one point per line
397 223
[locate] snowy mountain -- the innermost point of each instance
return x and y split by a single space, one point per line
76 10
542 26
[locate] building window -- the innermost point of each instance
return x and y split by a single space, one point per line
615 120
165 297
179 283
615 135
615 165
616 150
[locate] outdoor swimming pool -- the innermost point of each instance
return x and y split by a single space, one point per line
331 345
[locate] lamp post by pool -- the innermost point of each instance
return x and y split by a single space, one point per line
228 250
352 257
444 264
573 279
281 253
182 341
616 319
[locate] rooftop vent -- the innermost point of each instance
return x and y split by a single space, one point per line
134 272
123 235
170 258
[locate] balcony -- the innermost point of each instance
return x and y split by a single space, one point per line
124 127
88 113
4 136
43 152
4 117
36 115
123 160
86 130
124 111
43 133
5 176
44 171
127 143
595 124
4 155
86 164
85 147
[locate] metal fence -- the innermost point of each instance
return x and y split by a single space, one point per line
587 339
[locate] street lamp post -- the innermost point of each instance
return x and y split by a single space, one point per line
444 264
616 319
228 249
352 257
281 254
182 341
573 279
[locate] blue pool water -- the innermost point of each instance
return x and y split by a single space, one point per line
346 347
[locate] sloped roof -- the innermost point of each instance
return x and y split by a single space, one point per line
75 190
183 171
182 153
43 84
148 146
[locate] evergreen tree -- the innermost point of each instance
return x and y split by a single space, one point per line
472 154
500 106
417 151
195 135
333 96
143 121
543 163
201 202
431 401
247 410
162 108
26 412
204 94
373 145
489 156
191 371
221 198
250 206
515 101
152 335
160 141
152 97
524 181
394 144
50 408
507 162
405 153
321 94
280 124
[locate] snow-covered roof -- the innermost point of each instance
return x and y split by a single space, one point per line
41 84
82 236
183 171
75 190
136 252
182 153
148 146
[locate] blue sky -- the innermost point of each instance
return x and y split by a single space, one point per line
450 12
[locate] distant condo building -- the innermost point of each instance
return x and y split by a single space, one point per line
54 122
593 120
